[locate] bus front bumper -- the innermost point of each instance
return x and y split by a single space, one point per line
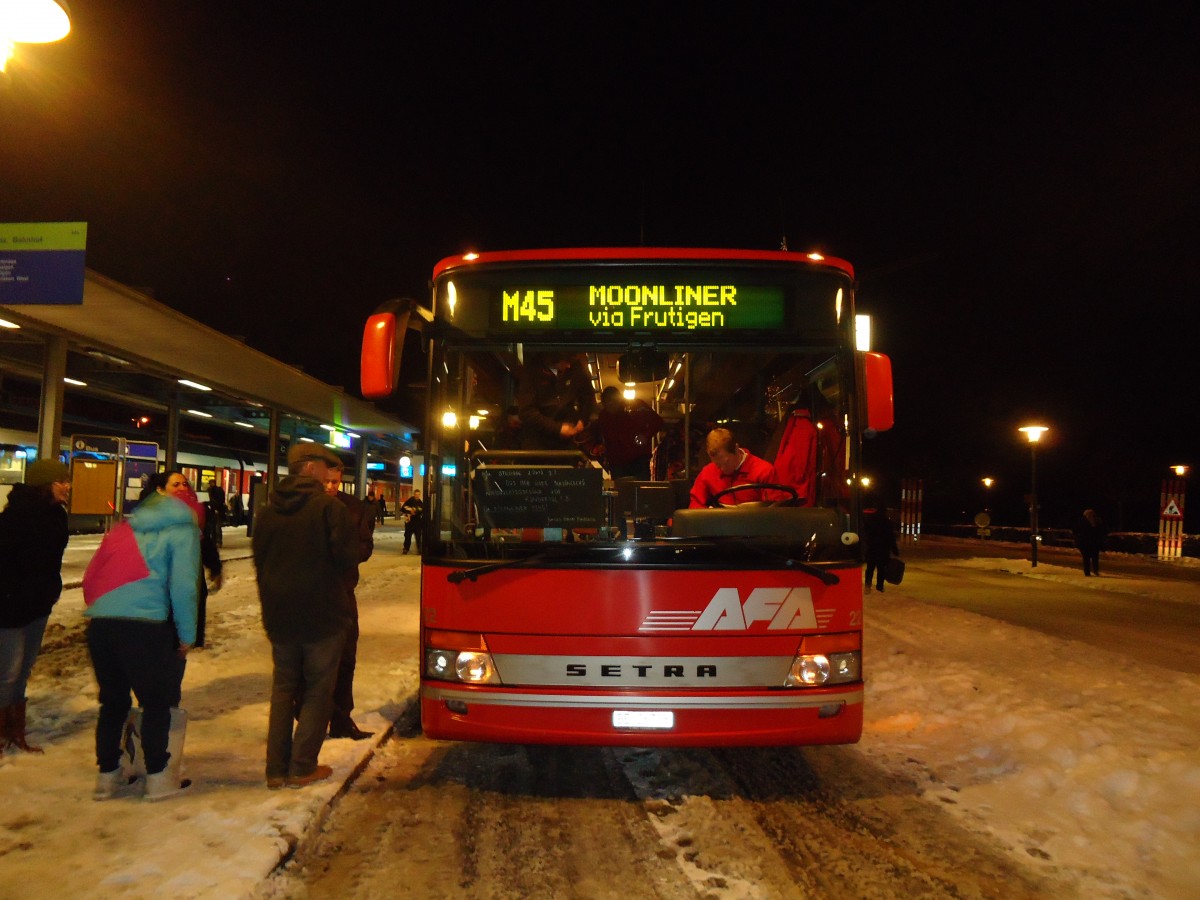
702 719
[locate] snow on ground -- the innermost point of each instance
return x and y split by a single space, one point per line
1083 763
1079 758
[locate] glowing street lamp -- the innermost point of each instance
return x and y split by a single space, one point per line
1181 471
31 22
1033 433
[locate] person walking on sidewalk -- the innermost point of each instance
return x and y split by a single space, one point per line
303 544
341 725
1090 533
413 510
880 538
141 588
33 536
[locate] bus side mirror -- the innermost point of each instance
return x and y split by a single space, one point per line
383 345
877 391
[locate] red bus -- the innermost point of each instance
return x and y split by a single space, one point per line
562 606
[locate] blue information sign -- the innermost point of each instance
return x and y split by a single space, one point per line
42 262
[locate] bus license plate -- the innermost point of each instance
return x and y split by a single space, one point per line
643 718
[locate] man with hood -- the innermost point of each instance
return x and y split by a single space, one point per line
303 544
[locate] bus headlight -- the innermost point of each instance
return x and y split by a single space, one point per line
816 669
466 666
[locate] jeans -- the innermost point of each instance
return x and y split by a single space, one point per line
130 655
307 670
18 649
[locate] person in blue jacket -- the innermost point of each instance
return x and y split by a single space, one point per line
132 638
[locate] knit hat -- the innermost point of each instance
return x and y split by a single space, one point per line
303 451
46 471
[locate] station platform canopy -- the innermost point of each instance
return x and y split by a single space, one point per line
126 347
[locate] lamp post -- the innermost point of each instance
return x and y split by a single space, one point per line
31 22
1033 433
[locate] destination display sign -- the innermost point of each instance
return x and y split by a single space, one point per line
622 306
539 496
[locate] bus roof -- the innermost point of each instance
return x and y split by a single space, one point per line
585 254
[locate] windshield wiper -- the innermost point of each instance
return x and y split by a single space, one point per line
483 569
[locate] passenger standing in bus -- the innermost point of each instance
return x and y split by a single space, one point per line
303 543
362 517
555 400
732 465
627 432
33 536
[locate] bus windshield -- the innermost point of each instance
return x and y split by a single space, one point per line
572 402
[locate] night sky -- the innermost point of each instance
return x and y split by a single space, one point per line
1018 187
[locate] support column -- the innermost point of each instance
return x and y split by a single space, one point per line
171 450
50 411
272 451
360 469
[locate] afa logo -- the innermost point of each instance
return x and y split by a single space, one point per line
782 608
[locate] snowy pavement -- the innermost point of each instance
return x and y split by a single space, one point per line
1081 763
228 832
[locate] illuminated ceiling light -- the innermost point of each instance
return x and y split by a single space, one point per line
862 332
201 413
473 422
4 323
74 381
327 427
449 419
405 462
1180 470
194 384
351 434
243 424
629 393
815 256
107 357
471 256
305 440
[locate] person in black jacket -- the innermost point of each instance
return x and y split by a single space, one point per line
1089 538
33 536
880 544
341 724
303 544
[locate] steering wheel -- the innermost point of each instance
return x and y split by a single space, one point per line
714 502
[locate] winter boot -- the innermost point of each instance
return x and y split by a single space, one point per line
170 781
109 784
16 728
164 784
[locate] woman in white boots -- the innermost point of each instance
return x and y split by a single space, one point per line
142 591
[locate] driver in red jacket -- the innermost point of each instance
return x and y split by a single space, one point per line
732 465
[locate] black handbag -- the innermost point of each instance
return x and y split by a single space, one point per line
893 570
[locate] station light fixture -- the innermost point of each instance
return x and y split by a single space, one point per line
31 22
194 384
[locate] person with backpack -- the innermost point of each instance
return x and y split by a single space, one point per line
141 590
